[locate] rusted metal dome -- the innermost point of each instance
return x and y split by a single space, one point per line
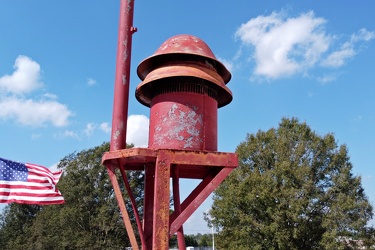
183 47
183 56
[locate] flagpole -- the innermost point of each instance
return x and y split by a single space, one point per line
122 76
120 103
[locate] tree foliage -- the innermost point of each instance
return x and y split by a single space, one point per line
190 240
89 219
293 189
204 240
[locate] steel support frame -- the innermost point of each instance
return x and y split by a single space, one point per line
161 166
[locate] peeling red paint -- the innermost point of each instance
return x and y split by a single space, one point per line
188 123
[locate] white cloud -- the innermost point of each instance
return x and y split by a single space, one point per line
25 78
105 127
90 127
91 81
66 134
137 130
28 111
69 133
363 35
338 58
327 78
283 46
228 64
34 113
54 168
347 50
50 96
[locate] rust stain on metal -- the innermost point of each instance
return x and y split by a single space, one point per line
161 203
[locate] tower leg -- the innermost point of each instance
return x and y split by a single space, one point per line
161 202
177 206
121 204
160 166
148 214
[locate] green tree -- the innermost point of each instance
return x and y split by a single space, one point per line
90 217
190 240
205 240
14 222
293 189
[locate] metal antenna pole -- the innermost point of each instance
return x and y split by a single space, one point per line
122 77
120 104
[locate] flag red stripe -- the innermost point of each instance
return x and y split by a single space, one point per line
43 172
39 180
47 201
28 194
46 187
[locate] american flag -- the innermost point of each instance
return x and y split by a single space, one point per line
28 184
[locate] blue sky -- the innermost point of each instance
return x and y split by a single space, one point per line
313 60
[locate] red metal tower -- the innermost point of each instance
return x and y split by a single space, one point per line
183 84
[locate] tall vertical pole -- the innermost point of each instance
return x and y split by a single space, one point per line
122 77
213 238
120 103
